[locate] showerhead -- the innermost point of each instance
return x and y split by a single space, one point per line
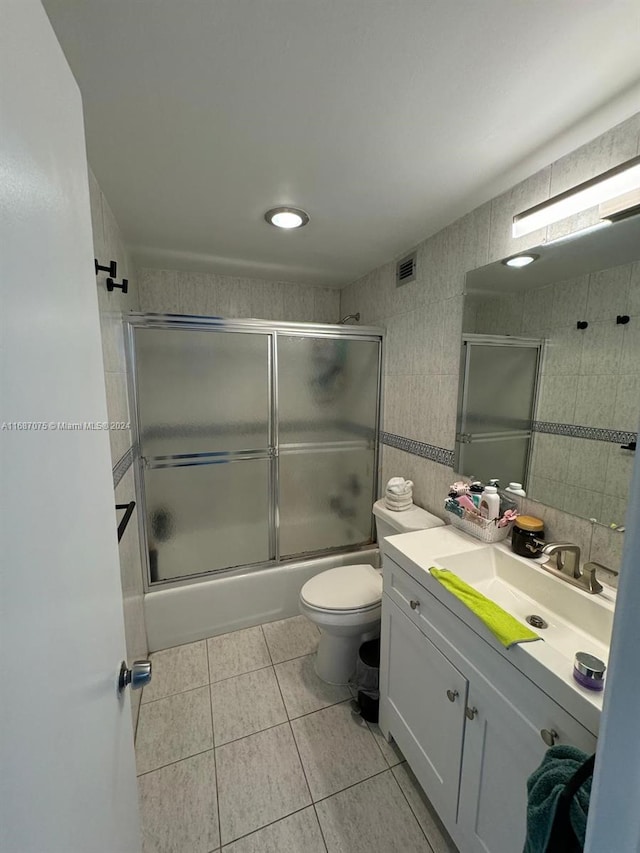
346 319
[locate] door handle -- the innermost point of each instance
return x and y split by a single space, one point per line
138 676
452 695
471 712
413 604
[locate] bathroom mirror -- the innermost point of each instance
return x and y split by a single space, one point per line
562 421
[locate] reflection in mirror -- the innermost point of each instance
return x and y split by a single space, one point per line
580 299
496 410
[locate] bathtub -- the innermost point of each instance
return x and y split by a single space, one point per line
184 614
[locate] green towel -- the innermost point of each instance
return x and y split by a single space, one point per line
503 625
544 786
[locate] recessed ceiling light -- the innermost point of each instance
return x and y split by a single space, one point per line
287 217
520 260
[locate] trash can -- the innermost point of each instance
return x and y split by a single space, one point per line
367 679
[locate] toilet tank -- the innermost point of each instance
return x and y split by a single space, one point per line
389 522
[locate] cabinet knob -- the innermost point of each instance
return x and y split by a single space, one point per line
471 712
549 736
413 604
452 695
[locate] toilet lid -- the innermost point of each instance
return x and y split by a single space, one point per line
344 588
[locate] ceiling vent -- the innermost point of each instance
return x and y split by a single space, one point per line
406 270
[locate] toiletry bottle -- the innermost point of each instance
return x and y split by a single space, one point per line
516 489
490 503
466 503
506 501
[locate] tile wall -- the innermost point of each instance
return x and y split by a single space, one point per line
211 295
423 320
108 246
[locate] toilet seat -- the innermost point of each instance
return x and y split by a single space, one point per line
345 589
353 610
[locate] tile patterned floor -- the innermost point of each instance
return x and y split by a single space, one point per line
242 749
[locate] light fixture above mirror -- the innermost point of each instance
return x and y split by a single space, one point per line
619 181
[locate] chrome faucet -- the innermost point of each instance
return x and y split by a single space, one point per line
591 582
564 557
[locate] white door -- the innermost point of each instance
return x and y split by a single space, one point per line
68 773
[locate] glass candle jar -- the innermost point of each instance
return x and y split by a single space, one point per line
527 536
588 671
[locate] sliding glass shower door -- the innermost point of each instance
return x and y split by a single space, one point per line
258 441
327 413
205 432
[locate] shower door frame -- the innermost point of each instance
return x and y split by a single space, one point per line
135 320
463 438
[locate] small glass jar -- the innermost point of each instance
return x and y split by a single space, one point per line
589 671
527 536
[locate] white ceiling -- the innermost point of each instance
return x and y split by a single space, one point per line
384 119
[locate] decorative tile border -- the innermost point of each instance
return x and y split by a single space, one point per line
419 448
615 436
442 455
122 465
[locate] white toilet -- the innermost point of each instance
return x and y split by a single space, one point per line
346 602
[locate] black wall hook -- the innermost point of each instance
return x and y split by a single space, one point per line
129 508
581 324
111 269
622 319
124 287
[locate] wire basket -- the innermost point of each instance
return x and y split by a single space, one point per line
480 528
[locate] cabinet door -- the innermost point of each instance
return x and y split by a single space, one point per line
502 747
422 705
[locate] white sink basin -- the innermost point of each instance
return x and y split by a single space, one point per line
576 620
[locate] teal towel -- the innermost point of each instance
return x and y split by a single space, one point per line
505 627
544 786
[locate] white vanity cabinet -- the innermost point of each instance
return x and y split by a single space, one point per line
469 722
427 695
502 746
